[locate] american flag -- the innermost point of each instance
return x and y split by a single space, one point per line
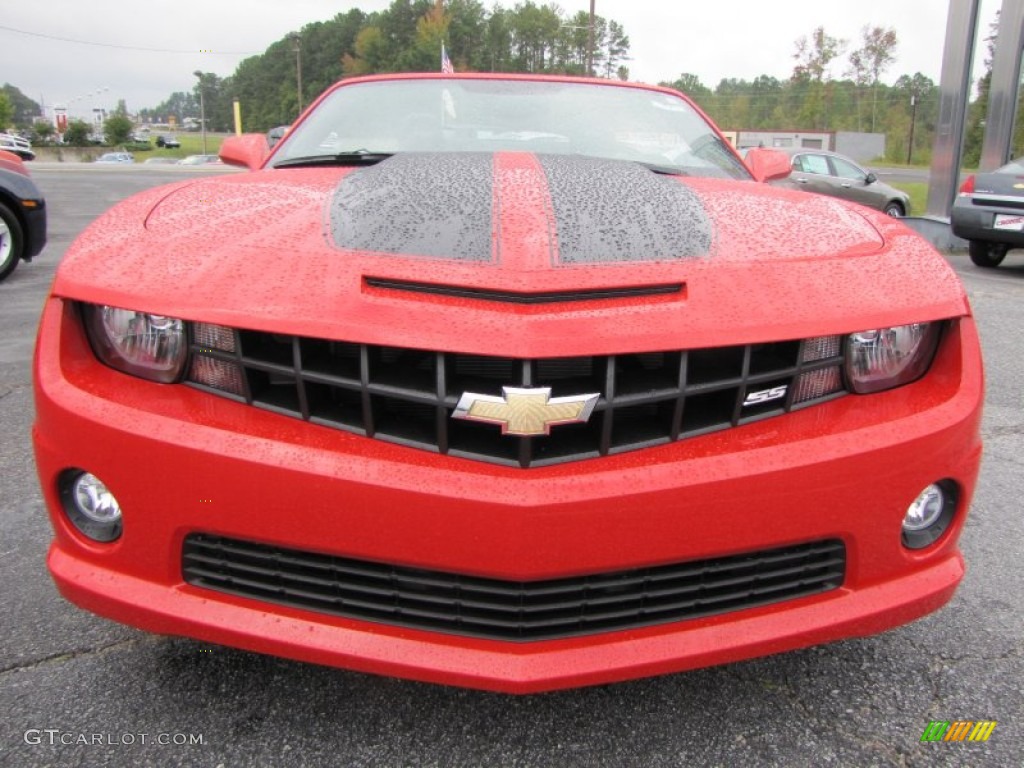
446 63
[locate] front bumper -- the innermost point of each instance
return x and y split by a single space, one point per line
843 470
35 229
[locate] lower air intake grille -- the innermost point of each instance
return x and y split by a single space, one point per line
511 610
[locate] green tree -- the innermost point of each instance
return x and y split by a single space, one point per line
431 32
814 57
692 86
615 49
178 105
43 130
77 134
370 53
876 54
766 93
6 111
117 129
406 36
25 110
918 97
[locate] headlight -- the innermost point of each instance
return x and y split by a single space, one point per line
888 357
150 346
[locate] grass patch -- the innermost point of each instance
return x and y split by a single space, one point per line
191 144
918 191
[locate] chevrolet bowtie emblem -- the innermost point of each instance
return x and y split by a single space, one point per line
525 412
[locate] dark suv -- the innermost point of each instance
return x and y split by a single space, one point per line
22 214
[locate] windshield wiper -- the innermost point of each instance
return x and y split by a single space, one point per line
355 157
664 170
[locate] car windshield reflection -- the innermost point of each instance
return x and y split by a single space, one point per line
660 130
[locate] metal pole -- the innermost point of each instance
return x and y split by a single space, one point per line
954 89
590 42
997 145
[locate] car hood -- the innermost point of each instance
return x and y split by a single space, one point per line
514 249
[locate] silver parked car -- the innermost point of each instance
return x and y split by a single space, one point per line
116 157
829 173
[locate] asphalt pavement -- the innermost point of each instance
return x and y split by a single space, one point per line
79 690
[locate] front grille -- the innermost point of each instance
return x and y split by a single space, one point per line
407 396
511 610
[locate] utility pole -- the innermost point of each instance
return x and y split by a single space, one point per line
202 108
913 119
297 47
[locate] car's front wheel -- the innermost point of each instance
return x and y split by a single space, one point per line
989 255
12 241
894 209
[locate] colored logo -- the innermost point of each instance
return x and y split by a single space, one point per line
958 730
525 412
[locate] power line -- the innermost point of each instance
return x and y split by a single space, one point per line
123 47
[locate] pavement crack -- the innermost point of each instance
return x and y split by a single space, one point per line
71 655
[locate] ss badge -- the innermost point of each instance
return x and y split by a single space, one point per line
766 395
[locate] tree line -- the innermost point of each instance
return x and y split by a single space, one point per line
835 84
407 36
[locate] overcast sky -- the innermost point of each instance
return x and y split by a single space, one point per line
144 51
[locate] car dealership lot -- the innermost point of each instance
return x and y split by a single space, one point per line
67 677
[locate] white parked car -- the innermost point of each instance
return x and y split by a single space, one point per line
16 144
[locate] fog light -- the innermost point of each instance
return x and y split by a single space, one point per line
929 515
90 506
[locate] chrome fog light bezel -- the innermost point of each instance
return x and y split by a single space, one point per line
919 534
80 489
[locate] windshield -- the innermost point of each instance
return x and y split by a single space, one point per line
376 119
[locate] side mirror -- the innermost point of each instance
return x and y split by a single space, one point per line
248 150
768 164
870 178
274 135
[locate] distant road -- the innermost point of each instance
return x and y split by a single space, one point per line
902 175
152 168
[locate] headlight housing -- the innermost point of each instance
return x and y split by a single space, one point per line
152 347
884 358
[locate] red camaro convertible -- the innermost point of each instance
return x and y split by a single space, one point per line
505 382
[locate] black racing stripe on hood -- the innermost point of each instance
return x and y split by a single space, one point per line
416 204
613 211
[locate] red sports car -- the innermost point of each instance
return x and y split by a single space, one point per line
506 382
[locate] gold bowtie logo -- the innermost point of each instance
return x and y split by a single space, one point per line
525 412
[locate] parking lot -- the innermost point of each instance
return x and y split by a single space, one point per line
79 690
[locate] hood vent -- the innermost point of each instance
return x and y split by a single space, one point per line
512 297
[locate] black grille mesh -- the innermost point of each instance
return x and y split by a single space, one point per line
509 610
407 396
